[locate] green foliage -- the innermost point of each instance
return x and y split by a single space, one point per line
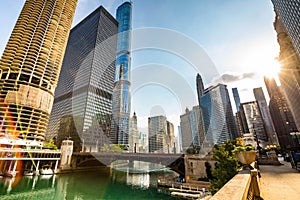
193 150
116 148
243 148
50 145
227 165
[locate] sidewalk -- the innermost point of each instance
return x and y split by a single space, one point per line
279 182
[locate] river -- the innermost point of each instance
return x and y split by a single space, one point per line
137 182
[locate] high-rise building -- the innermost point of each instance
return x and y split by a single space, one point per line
287 27
265 114
200 87
143 142
30 66
217 114
192 128
84 91
171 140
281 115
133 139
157 134
253 121
179 141
288 12
238 119
236 98
121 93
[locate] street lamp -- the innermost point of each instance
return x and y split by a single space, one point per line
295 135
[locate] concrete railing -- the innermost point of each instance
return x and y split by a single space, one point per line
244 185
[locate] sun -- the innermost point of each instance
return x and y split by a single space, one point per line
271 70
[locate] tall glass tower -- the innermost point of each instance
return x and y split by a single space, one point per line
217 114
30 66
83 97
121 92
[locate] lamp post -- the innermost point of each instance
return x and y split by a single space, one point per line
295 135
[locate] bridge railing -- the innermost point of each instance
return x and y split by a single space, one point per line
243 186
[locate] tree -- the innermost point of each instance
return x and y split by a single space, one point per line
50 145
227 165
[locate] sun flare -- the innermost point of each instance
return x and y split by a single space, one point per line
271 70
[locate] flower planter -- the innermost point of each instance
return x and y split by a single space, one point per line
246 157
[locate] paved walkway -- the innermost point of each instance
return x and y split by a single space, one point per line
280 182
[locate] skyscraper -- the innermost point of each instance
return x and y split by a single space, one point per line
200 87
252 121
287 27
288 12
133 139
192 128
236 98
30 66
83 98
217 114
281 115
157 134
121 92
238 118
265 114
171 140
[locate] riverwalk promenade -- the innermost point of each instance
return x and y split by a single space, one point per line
279 182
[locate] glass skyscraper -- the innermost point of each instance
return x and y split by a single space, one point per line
30 66
253 121
265 113
236 98
200 87
121 92
83 98
217 114
281 115
287 26
289 14
157 134
192 128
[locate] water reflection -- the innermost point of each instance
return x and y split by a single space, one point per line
137 180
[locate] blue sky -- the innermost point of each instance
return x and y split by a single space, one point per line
237 36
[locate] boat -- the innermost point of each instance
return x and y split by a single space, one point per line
46 170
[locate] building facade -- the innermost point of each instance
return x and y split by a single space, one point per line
238 119
288 12
281 115
133 139
192 128
289 58
236 98
253 123
30 66
200 87
266 116
121 92
218 116
157 134
83 98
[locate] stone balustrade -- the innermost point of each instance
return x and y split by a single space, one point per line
244 185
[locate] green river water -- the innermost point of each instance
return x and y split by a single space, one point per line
106 183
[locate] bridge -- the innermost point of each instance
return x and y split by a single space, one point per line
86 159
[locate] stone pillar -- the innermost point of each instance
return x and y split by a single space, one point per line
55 168
15 167
66 154
37 168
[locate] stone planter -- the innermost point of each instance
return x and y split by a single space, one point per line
246 157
